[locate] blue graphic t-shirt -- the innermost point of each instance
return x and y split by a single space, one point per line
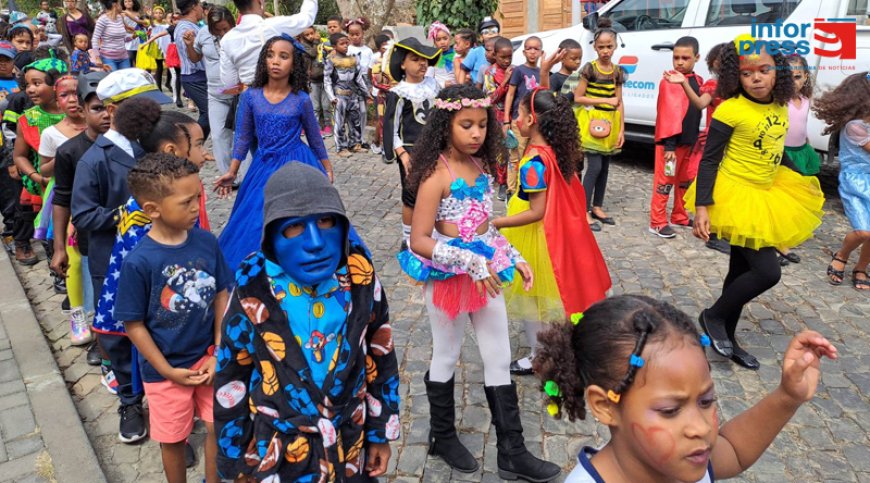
526 79
172 289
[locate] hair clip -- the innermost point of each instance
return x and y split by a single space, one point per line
705 340
636 361
553 409
613 396
552 389
576 317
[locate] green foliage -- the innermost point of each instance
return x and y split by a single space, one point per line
455 13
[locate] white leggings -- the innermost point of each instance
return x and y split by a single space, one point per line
491 327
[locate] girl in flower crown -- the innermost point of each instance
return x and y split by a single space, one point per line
638 365
462 260
545 222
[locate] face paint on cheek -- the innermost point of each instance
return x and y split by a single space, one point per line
313 255
656 442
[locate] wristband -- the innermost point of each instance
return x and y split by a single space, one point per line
210 350
473 264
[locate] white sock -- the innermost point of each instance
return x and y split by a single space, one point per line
406 232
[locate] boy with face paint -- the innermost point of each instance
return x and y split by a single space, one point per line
677 128
307 333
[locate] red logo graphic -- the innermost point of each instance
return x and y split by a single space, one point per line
835 37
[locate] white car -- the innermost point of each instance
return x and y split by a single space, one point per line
648 29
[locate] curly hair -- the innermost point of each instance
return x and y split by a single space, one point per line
799 62
136 117
435 139
848 101
713 56
556 122
598 350
151 179
137 121
729 76
298 74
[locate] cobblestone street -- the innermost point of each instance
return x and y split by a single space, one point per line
826 441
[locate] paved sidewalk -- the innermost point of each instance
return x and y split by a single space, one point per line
826 441
42 437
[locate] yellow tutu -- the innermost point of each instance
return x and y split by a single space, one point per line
599 145
748 215
542 302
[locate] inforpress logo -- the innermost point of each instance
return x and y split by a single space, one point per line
836 37
628 63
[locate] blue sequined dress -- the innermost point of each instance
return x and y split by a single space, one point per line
278 129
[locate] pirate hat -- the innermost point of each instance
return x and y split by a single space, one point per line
399 50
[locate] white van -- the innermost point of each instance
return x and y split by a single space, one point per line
648 29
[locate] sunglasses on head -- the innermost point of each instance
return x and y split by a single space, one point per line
489 30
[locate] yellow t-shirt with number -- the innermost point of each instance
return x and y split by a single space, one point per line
754 151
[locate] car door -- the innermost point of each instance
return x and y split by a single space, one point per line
647 32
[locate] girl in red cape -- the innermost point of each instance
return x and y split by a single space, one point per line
546 222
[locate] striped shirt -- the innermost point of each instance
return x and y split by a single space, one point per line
602 84
187 67
109 37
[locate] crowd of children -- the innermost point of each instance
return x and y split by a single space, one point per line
277 334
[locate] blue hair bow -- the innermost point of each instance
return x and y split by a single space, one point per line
295 43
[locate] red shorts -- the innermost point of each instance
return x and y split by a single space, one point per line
171 408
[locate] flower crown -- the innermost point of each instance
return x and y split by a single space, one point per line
458 104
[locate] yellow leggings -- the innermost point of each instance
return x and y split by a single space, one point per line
74 277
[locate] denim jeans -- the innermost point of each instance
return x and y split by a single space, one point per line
197 91
117 64
321 103
87 286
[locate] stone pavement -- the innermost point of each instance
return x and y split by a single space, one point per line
827 440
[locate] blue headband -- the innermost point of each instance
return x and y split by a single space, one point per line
295 43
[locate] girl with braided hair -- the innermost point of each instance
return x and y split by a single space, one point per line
665 427
462 261
545 222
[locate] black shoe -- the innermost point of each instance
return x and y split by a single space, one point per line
132 423
514 460
365 146
663 231
443 441
189 455
603 219
743 358
502 192
518 370
791 257
783 261
179 105
595 226
94 357
719 245
718 335
59 284
65 305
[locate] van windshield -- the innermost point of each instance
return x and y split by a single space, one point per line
743 12
637 15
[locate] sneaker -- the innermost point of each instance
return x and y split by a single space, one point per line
94 357
502 192
663 231
80 332
377 149
365 146
9 244
344 153
132 427
327 131
59 284
107 379
25 256
357 149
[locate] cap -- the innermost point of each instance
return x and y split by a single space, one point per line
126 83
488 22
88 83
7 50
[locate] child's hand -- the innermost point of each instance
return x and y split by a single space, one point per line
105 68
621 139
207 371
489 286
612 101
528 277
223 186
184 377
553 59
800 365
674 77
701 225
377 457
334 102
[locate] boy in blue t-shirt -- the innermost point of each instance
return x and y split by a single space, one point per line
172 294
524 79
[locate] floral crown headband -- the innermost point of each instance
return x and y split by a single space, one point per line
459 104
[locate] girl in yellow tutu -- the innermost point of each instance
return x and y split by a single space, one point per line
545 222
748 191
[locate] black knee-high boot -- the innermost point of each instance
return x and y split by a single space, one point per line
739 356
514 460
443 441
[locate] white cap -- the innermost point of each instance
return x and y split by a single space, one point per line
126 83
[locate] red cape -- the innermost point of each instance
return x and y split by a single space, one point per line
578 265
671 108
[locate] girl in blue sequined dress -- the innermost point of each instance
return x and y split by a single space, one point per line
275 111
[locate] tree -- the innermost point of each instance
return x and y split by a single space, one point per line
455 13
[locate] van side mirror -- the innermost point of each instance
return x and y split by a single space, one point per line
590 22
